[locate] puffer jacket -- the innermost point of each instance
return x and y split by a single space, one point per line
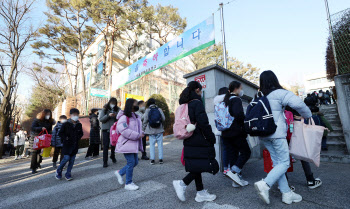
279 99
94 129
71 134
56 139
105 119
20 138
147 128
130 139
36 128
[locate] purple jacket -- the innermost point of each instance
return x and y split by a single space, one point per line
130 139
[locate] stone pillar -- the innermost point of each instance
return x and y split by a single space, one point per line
342 85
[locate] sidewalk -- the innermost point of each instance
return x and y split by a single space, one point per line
97 187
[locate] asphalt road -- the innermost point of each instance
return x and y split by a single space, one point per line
97 187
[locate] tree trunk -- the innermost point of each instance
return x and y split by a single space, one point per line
68 74
110 64
3 121
81 58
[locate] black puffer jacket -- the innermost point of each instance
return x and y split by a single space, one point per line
199 151
94 129
37 127
71 134
237 127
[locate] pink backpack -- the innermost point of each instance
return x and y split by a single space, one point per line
114 134
290 122
181 121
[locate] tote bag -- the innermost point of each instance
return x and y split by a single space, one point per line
42 140
306 140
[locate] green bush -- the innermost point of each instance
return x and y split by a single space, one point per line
161 103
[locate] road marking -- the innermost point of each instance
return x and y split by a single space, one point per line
217 206
108 200
50 174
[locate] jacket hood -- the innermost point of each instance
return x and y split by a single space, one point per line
120 114
218 99
192 96
92 115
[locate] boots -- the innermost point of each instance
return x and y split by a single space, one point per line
144 156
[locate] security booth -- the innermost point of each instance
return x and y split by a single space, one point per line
212 78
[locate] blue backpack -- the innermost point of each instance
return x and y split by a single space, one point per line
154 117
259 118
223 119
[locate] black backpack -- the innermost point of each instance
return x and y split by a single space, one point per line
154 117
259 118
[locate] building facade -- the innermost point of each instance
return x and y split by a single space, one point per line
316 82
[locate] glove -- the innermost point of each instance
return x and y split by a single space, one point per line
190 128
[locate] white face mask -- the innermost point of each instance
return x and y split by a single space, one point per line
75 118
112 106
47 117
63 121
241 93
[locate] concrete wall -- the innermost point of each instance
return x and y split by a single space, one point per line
342 85
216 78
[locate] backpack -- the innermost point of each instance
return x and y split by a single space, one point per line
259 118
114 134
181 121
223 119
154 117
326 96
288 115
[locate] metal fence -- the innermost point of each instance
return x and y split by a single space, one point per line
341 37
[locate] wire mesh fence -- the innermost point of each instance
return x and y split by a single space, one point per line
341 37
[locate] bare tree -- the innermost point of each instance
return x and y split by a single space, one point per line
15 34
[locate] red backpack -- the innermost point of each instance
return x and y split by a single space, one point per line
114 133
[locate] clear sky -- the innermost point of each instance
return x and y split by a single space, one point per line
286 36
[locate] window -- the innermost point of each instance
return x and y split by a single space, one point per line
99 68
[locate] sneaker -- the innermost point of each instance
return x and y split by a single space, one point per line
131 187
235 185
225 172
314 184
20 157
244 182
152 162
204 196
16 158
292 188
119 177
54 165
114 160
180 190
68 178
144 157
263 191
291 197
161 161
34 171
58 175
234 177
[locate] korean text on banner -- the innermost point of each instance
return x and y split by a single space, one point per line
191 41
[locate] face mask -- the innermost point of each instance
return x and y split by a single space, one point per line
241 93
63 121
136 108
47 117
75 118
112 106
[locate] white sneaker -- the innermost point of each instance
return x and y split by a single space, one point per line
20 157
291 197
263 191
244 182
314 184
235 185
16 158
131 187
119 177
204 196
234 177
180 190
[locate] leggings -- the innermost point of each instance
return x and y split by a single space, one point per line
197 177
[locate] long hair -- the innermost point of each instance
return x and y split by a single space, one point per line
41 115
231 88
223 90
269 82
108 107
191 87
129 105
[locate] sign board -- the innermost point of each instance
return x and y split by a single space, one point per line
99 92
132 96
191 41
201 80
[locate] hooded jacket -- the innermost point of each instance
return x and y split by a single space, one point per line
56 139
20 138
71 134
105 119
130 139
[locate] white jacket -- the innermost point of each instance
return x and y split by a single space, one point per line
20 138
278 100
217 100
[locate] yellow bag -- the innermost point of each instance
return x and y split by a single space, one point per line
46 152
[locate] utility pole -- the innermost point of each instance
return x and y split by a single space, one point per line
331 35
223 34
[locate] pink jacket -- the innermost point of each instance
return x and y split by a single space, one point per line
130 139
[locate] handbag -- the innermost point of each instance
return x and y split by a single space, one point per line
268 165
42 140
46 152
306 140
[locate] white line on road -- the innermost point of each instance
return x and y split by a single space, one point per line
217 206
123 196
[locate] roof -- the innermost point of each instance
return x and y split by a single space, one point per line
218 67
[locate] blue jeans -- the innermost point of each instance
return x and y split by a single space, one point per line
66 158
279 152
153 139
131 162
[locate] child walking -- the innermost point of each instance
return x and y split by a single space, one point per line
129 142
70 133
56 141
